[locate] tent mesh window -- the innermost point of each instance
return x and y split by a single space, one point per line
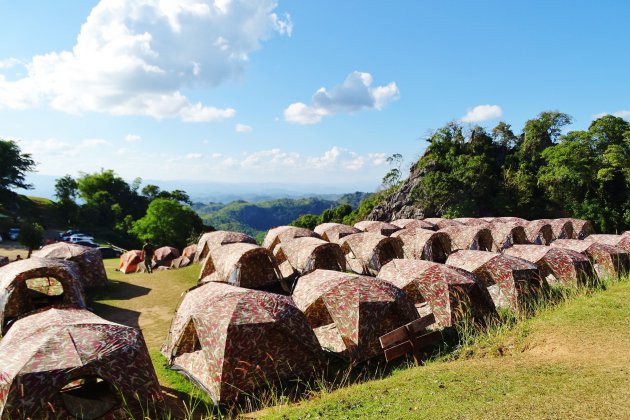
89 397
32 294
255 266
438 251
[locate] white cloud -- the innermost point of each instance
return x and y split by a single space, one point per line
90 143
482 113
132 138
621 114
242 128
7 63
135 57
354 94
194 156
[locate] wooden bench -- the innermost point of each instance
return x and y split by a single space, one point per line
410 338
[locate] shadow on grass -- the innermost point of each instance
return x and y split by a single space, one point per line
119 290
115 314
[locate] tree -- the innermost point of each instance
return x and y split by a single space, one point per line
13 166
167 222
392 177
31 236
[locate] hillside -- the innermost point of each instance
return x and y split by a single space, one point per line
256 218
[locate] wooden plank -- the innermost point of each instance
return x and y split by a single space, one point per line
421 344
397 351
428 340
401 334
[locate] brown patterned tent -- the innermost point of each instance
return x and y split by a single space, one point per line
441 223
423 244
366 252
303 255
34 283
129 261
349 313
385 229
608 260
556 265
447 292
181 262
620 241
244 265
505 219
333 232
190 251
469 237
471 221
505 235
282 234
581 228
231 341
69 363
561 228
163 256
539 232
89 260
511 281
218 238
413 223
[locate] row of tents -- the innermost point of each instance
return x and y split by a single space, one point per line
276 312
59 360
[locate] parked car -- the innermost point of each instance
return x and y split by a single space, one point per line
107 252
80 237
68 233
14 233
87 243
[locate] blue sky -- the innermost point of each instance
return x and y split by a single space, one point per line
300 92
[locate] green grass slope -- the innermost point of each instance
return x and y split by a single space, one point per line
570 361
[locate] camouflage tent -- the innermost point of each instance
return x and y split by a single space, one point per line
34 283
164 255
89 260
423 244
561 228
129 261
620 241
441 223
181 262
349 313
469 237
449 293
69 363
366 252
556 265
190 251
282 234
511 281
413 223
244 265
231 340
505 235
303 255
505 219
471 221
333 232
581 228
217 238
608 260
539 232
3 260
385 229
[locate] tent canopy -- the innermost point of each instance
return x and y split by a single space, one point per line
469 237
282 234
218 238
333 232
413 223
89 260
385 229
366 252
557 265
424 244
607 260
129 261
303 255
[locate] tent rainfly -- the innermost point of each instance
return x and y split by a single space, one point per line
281 234
510 280
620 241
385 229
163 256
539 232
451 294
476 238
561 228
367 252
441 223
471 221
556 265
69 363
581 228
349 312
129 261
35 283
505 219
608 260
181 262
333 232
231 341
423 244
505 235
245 265
413 223
89 260
218 238
303 255
190 251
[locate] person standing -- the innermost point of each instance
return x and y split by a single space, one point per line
147 251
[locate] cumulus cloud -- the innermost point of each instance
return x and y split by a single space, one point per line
7 63
482 113
135 57
133 138
194 156
621 114
352 95
242 128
